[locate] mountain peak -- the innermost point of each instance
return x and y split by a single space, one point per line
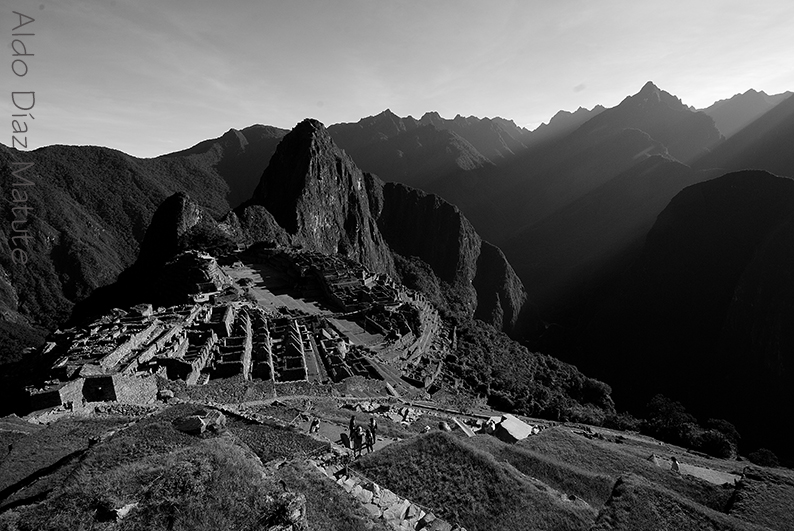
650 94
649 87
431 117
387 113
309 126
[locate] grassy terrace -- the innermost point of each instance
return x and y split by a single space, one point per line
39 452
766 496
638 504
610 459
469 486
593 487
179 481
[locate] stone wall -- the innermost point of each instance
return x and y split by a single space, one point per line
135 389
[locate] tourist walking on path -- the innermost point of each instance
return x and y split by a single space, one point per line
352 426
373 427
358 441
369 440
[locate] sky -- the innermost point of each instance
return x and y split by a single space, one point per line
150 77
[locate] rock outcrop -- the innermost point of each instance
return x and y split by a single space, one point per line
180 224
313 195
424 225
318 196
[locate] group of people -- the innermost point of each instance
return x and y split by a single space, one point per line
362 437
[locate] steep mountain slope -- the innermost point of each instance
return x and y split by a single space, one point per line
89 209
561 124
406 151
551 175
314 195
494 139
685 134
733 114
239 157
700 315
574 249
318 196
764 144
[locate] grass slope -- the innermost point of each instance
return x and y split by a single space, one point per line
766 497
605 458
638 505
465 485
594 488
44 448
179 482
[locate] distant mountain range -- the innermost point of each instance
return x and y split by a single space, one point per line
734 114
591 211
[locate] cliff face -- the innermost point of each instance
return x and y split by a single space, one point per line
313 194
318 196
424 225
180 224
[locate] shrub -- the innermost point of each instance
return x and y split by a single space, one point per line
763 457
726 428
715 443
622 421
668 420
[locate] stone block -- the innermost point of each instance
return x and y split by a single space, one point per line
356 490
388 498
348 484
413 511
439 525
215 420
373 510
396 511
191 424
365 496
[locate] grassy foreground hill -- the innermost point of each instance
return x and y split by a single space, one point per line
121 467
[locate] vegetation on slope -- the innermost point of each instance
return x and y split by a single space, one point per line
593 487
599 458
489 363
214 485
462 484
171 480
515 379
638 504
765 497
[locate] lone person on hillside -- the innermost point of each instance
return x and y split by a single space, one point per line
674 466
373 427
358 441
369 440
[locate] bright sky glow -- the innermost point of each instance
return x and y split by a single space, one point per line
154 76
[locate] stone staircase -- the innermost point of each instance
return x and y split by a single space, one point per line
381 503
